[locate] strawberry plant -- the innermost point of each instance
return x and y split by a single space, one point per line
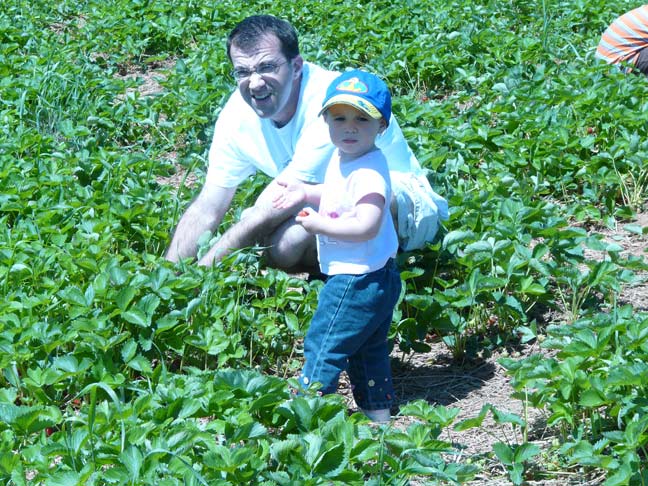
117 367
592 388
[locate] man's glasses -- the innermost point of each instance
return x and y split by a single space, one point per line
264 69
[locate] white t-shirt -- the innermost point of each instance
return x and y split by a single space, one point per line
243 143
345 184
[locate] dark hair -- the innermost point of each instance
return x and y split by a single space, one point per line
247 33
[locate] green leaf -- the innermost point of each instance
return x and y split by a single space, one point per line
526 333
331 461
474 422
400 442
502 417
531 287
421 302
141 364
636 229
118 276
89 295
516 472
434 414
412 273
70 364
365 450
73 295
117 474
283 450
148 304
526 451
29 419
292 321
128 350
137 317
453 238
19 267
124 297
64 478
132 458
503 452
252 430
478 247
591 398
620 477
633 374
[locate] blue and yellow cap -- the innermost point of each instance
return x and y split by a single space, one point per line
362 90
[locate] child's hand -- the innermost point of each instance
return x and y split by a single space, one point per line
293 194
310 220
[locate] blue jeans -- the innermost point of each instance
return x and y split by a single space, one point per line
349 332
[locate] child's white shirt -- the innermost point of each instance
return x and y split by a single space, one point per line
345 184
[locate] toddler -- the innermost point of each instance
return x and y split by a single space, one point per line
356 244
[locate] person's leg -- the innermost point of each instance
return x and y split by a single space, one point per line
325 345
350 312
255 225
642 61
290 247
369 369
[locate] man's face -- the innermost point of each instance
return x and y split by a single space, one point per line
274 93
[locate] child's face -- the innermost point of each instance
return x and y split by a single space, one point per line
351 130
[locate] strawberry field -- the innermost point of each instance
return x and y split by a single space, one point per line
120 368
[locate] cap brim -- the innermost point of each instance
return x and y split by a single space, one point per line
354 101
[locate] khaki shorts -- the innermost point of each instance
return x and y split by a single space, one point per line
420 210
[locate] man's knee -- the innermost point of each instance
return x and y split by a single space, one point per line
291 246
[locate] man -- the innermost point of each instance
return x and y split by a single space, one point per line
271 124
624 42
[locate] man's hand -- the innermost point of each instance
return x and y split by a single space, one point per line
293 194
205 213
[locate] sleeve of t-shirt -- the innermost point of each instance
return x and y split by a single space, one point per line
227 166
367 181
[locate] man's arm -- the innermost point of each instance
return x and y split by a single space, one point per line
204 214
260 221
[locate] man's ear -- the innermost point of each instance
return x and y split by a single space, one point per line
298 64
383 125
